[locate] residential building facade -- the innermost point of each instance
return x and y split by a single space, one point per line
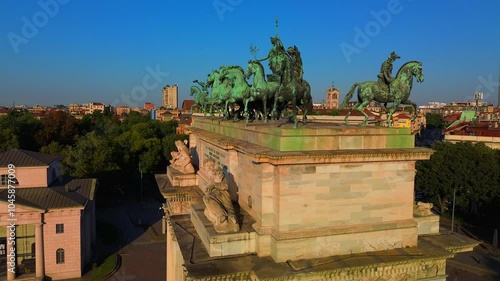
170 97
51 219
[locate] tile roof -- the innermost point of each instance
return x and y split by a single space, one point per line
25 158
343 112
66 193
187 104
403 116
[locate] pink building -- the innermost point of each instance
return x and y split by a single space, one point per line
52 218
149 106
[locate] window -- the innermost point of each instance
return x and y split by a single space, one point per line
60 256
5 180
59 228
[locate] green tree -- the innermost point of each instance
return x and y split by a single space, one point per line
141 143
434 120
58 126
92 156
101 123
8 139
17 130
54 148
133 118
470 169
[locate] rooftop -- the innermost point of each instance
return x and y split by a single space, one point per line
200 265
65 193
25 158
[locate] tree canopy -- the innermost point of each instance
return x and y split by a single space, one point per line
98 145
471 170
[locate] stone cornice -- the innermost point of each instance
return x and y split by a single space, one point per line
266 155
280 235
342 156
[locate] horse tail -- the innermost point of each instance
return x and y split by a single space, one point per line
349 95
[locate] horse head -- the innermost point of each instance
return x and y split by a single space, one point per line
212 77
417 71
193 90
412 68
250 69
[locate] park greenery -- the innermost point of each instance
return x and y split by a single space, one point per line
97 146
471 171
101 146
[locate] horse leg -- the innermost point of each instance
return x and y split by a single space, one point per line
295 111
274 111
360 109
391 112
349 113
305 105
226 110
245 112
264 102
238 113
414 115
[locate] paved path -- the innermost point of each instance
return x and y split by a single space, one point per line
479 265
142 250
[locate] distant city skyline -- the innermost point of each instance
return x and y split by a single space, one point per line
63 51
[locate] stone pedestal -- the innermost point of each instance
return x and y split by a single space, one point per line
219 245
427 224
319 190
316 197
178 178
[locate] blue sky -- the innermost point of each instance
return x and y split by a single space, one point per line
124 52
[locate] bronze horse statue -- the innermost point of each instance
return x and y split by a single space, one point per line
399 91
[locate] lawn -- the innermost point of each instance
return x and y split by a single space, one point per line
105 268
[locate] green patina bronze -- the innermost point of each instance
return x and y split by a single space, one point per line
200 96
261 89
387 89
220 91
283 87
240 90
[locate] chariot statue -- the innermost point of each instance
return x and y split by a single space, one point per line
284 87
